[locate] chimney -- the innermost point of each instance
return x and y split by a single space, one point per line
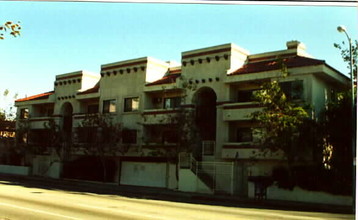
298 47
295 45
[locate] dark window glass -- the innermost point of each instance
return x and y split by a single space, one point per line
131 104
243 135
245 95
129 136
40 137
109 106
170 136
91 109
49 112
24 113
293 90
172 102
86 134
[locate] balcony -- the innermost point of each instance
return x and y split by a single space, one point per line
247 150
159 116
38 122
239 111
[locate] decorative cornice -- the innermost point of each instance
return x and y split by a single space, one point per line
207 59
124 65
205 53
69 77
66 97
65 82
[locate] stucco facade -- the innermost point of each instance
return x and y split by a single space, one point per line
143 94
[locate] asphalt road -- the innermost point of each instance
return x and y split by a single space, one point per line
25 202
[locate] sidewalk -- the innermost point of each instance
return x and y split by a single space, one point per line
166 194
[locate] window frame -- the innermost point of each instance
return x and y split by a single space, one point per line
24 113
111 103
173 102
242 133
92 109
290 92
241 98
130 108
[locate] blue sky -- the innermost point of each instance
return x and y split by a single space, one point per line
62 37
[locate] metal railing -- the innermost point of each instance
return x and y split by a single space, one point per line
217 176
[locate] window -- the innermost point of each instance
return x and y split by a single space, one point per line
129 136
244 135
293 90
43 110
49 112
86 134
24 113
91 109
172 102
109 106
170 136
245 95
131 104
40 137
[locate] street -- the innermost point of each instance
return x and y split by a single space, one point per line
24 202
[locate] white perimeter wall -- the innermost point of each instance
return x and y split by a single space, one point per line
148 174
301 195
18 170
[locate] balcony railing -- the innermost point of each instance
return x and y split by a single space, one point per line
158 116
240 110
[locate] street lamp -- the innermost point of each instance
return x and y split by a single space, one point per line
344 30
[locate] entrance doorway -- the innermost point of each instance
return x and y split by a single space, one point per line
67 111
205 101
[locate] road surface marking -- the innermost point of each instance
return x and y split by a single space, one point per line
38 211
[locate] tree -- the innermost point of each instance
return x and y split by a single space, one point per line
7 111
11 28
337 127
345 53
100 137
182 125
279 121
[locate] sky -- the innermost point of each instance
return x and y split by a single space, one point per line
63 37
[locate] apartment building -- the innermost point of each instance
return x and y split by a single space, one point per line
213 86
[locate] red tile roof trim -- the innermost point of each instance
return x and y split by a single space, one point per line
269 65
271 57
36 97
